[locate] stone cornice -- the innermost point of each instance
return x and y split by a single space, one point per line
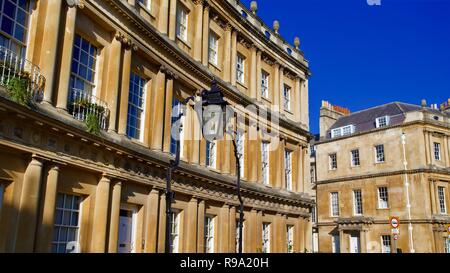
261 38
430 169
195 180
199 70
415 122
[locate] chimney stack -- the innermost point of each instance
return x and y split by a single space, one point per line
329 114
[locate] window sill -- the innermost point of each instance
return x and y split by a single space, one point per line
383 208
241 84
146 10
216 66
355 167
184 42
379 163
288 111
266 99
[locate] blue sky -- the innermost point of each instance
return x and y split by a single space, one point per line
363 56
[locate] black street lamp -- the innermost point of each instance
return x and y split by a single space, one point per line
213 114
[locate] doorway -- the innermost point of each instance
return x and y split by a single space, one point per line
127 229
355 244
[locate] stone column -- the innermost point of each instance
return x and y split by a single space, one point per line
276 85
151 222
172 19
252 79
45 229
191 227
112 91
259 223
100 216
162 223
252 163
124 92
50 46
298 99
205 38
233 57
251 244
363 236
163 16
281 89
227 54
29 206
308 235
300 170
168 114
198 31
114 221
224 229
233 227
201 227
305 104
157 108
445 152
258 75
66 57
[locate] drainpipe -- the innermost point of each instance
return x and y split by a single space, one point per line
408 204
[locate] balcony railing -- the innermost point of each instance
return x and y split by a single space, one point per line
88 108
21 78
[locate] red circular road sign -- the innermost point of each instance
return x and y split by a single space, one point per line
448 229
394 222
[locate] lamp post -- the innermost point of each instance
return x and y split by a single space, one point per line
213 116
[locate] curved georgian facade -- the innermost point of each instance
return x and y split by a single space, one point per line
83 159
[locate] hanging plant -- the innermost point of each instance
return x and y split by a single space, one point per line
17 90
93 124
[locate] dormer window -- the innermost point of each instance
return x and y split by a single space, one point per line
343 131
382 121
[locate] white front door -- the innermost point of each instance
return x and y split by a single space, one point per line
354 244
126 231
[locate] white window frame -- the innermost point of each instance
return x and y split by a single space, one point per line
61 226
182 23
240 68
290 238
213 48
287 91
15 45
146 3
240 145
264 84
265 162
209 233
175 232
382 121
379 152
343 131
357 202
355 159
266 237
386 243
383 193
332 164
288 169
442 200
437 151
334 204
142 109
211 148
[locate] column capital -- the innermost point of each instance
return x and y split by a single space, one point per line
229 27
75 3
198 2
168 72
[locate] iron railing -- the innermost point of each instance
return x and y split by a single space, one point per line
14 68
83 105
